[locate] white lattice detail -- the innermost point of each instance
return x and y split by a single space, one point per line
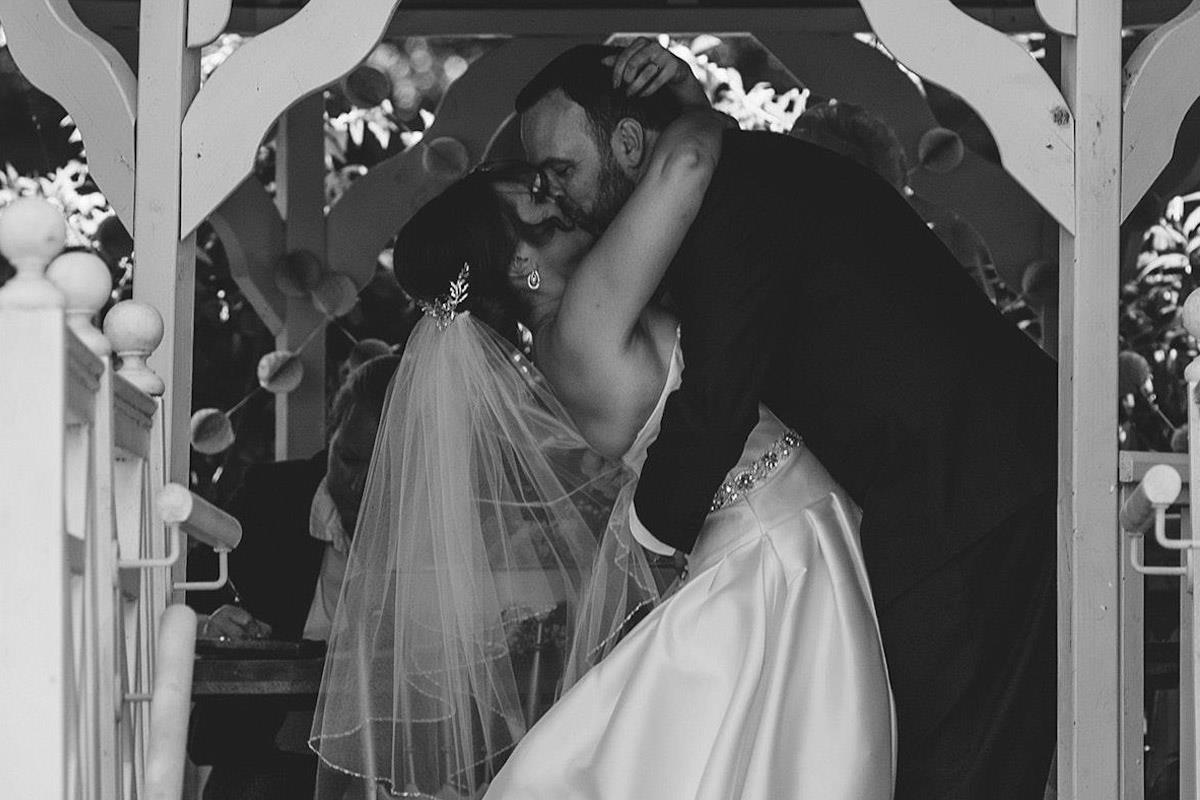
1158 94
1027 115
91 80
258 83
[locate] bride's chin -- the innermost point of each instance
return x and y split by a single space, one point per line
582 241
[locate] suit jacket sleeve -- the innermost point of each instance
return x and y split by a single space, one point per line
726 282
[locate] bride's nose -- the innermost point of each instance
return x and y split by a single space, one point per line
555 212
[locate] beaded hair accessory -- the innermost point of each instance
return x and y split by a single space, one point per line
444 309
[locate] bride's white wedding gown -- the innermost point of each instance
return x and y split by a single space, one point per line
762 677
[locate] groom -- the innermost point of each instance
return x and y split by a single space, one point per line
810 285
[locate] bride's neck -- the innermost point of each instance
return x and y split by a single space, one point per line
541 311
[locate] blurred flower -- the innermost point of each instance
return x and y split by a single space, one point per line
211 431
280 372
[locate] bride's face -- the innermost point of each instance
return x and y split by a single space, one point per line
552 242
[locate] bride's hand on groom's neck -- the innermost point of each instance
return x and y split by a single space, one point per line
645 67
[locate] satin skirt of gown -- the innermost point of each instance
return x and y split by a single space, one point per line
760 677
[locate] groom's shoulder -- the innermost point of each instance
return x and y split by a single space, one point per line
778 151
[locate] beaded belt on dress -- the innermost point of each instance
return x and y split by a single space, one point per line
741 483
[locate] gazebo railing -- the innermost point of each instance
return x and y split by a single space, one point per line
95 680
1153 485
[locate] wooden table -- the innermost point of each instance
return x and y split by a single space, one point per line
258 668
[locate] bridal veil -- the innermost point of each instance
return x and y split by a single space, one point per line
483 562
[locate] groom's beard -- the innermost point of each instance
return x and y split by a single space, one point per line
612 191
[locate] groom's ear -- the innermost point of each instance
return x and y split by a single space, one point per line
629 145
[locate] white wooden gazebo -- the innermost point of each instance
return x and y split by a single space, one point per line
1081 151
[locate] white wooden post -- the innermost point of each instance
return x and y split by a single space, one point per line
168 78
1089 755
34 758
1189 742
1189 598
300 194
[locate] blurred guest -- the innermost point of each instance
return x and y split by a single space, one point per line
360 353
297 521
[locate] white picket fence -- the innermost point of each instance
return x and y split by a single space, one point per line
95 661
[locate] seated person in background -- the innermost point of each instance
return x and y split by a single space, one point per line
853 132
297 520
363 351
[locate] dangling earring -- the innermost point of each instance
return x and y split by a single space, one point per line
533 280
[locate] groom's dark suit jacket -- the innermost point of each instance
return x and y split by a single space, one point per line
810 284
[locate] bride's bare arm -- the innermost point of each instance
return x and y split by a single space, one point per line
617 278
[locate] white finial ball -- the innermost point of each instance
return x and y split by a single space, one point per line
1191 373
135 331
133 327
1191 313
445 158
211 431
31 231
83 278
280 372
335 295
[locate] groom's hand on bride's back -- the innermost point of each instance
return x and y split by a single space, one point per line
645 67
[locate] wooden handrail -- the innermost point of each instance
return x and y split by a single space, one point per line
198 518
1159 487
171 703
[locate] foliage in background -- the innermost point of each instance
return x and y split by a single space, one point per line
762 107
91 224
1155 347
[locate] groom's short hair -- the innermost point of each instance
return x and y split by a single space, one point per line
580 74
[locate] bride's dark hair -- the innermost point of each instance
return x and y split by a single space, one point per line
469 223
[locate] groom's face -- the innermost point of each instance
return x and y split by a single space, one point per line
582 174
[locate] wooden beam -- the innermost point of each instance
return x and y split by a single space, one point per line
166 264
1089 657
300 191
109 17
252 234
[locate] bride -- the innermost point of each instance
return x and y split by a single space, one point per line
760 675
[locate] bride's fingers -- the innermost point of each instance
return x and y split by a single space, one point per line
643 67
664 77
627 58
622 59
648 73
